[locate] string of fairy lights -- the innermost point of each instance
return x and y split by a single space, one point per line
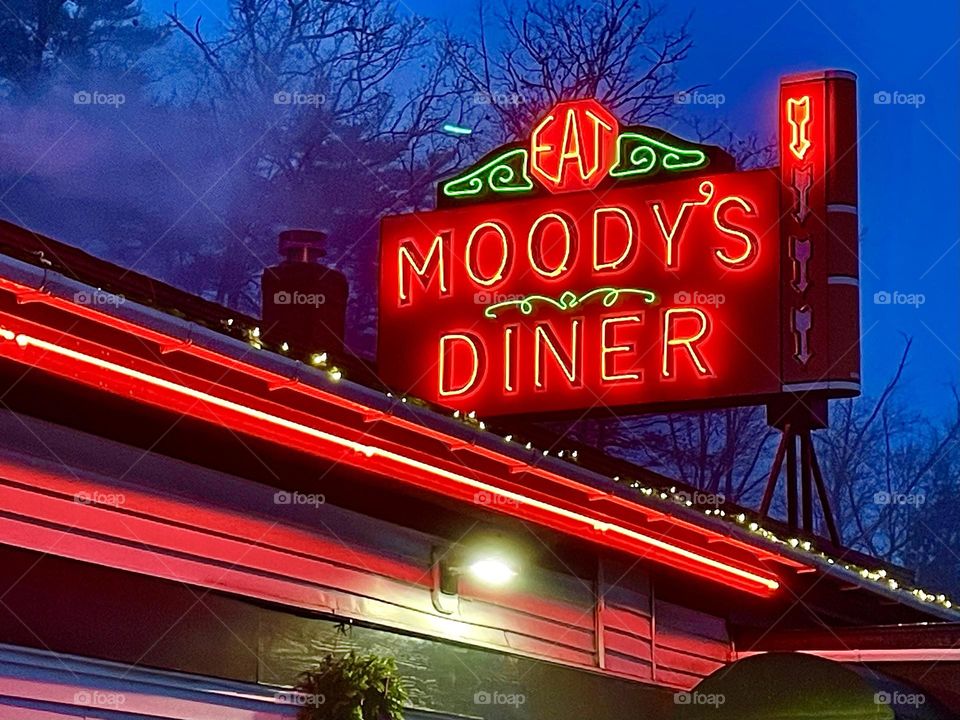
322 362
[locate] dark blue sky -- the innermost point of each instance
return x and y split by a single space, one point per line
909 154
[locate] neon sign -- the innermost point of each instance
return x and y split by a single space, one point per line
600 266
798 118
819 230
571 147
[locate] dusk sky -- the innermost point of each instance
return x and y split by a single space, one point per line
909 150
479 359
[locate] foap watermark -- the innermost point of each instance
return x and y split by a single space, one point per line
491 500
284 297
498 98
299 699
282 497
696 97
695 297
893 498
699 698
700 498
898 698
98 297
298 99
895 97
95 497
99 698
895 297
494 697
489 298
96 97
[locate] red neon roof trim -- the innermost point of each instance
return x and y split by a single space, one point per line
97 369
170 344
569 507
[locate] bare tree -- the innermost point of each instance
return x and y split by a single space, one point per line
881 460
44 39
613 50
317 102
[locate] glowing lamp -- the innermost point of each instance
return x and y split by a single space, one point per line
492 571
486 566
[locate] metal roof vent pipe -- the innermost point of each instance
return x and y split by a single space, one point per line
304 302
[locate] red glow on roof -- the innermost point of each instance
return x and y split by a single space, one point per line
149 366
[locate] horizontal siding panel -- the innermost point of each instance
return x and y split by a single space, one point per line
209 549
677 618
543 596
685 662
628 645
283 560
629 666
511 621
136 701
683 680
548 649
326 530
626 621
296 570
22 713
625 577
684 642
630 599
290 593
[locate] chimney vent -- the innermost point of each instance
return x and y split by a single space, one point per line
302 245
304 302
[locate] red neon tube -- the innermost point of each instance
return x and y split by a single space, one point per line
274 380
423 473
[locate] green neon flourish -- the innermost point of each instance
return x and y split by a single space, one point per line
506 173
647 154
569 300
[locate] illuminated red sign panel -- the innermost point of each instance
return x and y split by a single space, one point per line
819 230
547 285
572 147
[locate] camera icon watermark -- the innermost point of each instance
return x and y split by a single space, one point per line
494 697
99 698
498 98
95 97
282 497
699 698
484 297
284 297
95 497
298 99
695 297
98 297
893 498
488 499
696 97
700 498
299 699
898 698
895 97
895 297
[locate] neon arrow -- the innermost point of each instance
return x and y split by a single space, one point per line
802 182
802 322
800 254
798 115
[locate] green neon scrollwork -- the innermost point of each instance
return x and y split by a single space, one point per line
568 300
506 173
640 154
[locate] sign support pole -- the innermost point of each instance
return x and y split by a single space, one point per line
796 419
